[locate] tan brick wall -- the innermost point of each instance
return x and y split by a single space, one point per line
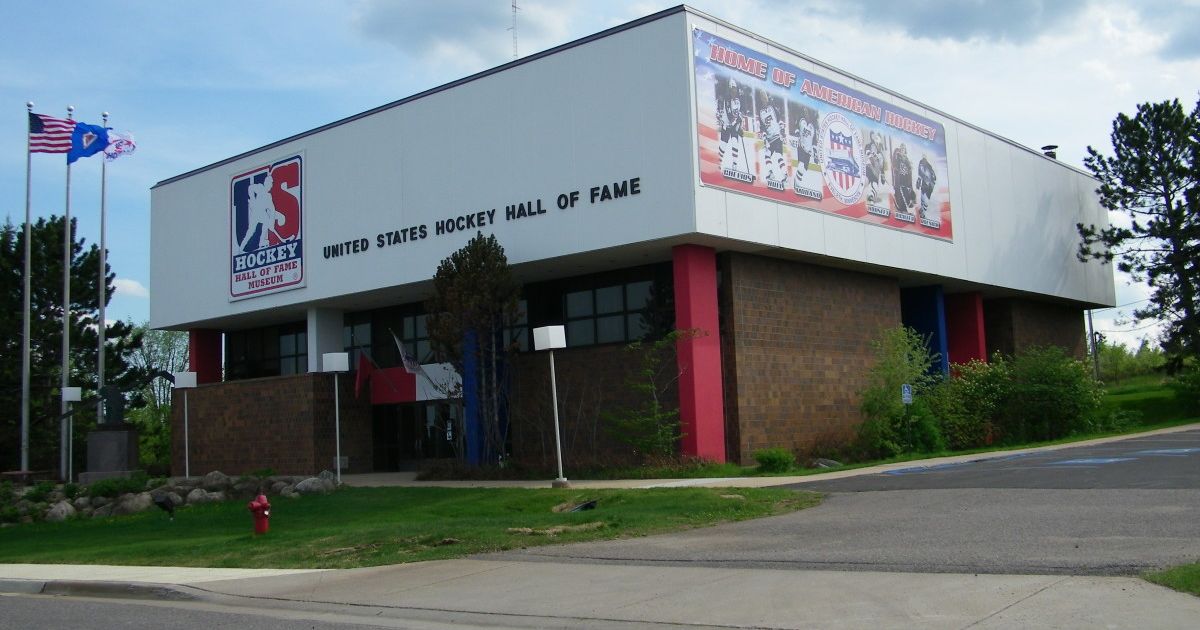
1013 324
591 380
284 423
796 349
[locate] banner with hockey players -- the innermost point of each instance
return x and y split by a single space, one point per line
769 129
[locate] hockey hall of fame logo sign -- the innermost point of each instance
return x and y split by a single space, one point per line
266 229
842 158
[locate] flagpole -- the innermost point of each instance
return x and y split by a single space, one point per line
103 324
66 319
25 325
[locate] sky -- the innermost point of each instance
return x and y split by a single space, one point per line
198 82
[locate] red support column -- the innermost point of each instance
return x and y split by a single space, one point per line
964 327
701 396
204 355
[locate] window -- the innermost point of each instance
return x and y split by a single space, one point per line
611 313
356 336
266 351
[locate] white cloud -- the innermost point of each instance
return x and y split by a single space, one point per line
127 287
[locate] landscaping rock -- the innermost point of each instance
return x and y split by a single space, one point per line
82 502
133 503
175 499
198 496
821 462
289 492
101 512
99 502
314 485
60 512
245 489
215 481
325 474
24 506
278 486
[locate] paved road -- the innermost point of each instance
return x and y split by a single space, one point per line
1115 509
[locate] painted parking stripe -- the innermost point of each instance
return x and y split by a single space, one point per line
916 470
1169 451
1092 461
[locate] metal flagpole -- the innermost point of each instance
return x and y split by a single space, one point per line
66 316
25 326
103 323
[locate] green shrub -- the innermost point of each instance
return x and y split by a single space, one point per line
1187 389
967 404
889 426
9 514
118 486
651 428
6 493
70 490
774 460
39 492
1050 396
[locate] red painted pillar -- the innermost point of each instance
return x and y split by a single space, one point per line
204 355
964 327
701 396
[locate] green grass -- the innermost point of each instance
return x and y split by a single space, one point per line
1184 578
373 526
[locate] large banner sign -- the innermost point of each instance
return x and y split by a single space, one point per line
769 129
266 229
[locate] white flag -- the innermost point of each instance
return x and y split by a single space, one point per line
119 144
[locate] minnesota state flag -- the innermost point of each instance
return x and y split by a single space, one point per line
87 140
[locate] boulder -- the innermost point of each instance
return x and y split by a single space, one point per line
278 486
215 481
245 489
82 502
101 512
175 499
133 503
60 512
314 485
289 492
198 496
99 502
325 474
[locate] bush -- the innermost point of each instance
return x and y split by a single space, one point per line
70 490
774 460
1050 396
39 492
118 485
1187 389
652 428
9 514
967 404
6 493
889 426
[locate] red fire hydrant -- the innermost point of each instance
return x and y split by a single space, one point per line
261 509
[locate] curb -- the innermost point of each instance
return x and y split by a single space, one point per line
82 588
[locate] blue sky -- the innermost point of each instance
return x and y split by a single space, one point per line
197 82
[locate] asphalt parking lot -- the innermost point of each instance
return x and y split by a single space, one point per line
1166 461
1114 509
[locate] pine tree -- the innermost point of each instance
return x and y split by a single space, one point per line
1153 177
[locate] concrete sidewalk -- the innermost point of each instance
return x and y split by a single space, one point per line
548 594
408 479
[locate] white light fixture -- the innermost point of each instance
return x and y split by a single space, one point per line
71 395
336 362
185 381
550 338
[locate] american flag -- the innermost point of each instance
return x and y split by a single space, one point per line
49 135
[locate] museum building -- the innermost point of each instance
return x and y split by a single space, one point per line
675 172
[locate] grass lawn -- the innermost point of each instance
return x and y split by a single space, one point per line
1185 578
357 527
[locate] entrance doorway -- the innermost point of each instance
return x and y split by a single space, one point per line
406 435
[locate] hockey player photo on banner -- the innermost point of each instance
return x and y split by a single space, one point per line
769 129
769 113
736 153
802 144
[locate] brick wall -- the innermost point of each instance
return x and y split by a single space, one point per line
1013 324
284 423
796 347
591 380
